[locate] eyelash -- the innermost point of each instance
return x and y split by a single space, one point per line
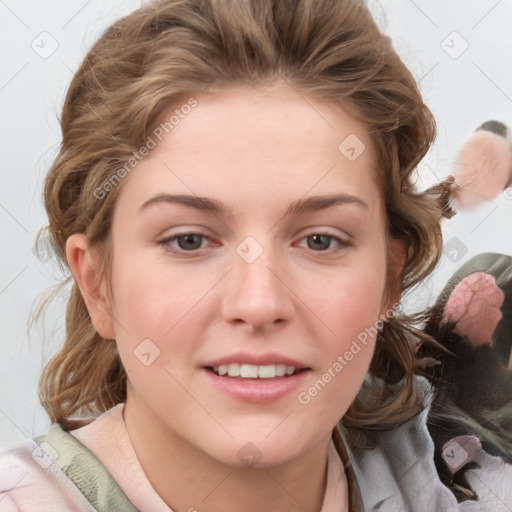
344 244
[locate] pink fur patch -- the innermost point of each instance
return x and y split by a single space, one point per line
483 168
474 305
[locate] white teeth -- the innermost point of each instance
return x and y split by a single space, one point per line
267 372
280 370
251 371
248 371
234 370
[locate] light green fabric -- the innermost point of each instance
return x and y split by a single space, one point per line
84 469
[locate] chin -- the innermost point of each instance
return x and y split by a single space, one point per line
258 450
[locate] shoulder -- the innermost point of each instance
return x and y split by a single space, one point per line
31 481
400 471
55 471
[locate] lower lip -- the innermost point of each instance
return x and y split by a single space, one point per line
257 390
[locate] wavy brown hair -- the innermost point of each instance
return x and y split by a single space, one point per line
170 50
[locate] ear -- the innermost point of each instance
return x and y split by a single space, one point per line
84 264
397 259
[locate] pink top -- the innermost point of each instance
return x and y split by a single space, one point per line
397 474
107 438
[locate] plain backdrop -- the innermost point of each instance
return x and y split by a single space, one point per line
459 51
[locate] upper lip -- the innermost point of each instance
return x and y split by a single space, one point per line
256 359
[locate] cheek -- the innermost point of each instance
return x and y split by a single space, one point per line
160 314
352 310
356 305
354 314
351 300
150 298
144 309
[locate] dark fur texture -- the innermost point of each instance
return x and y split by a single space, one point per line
473 388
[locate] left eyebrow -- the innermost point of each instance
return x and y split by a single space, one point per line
316 203
300 206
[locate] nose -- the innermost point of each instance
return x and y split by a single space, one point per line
258 293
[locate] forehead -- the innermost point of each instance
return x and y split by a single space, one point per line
256 146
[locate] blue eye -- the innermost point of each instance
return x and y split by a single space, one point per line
191 242
187 242
322 241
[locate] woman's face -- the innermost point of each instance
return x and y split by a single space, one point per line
250 270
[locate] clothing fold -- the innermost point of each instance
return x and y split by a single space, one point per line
95 468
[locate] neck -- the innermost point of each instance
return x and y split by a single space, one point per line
187 479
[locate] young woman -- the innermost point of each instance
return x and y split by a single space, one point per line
233 197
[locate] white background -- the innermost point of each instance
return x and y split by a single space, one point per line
462 92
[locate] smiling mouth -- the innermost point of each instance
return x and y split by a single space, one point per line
251 371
